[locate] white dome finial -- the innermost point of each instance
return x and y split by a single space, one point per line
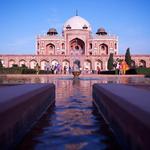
76 12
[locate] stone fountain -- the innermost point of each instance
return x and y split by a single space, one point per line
76 53
76 69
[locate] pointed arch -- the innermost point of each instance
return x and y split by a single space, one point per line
63 45
90 46
54 62
66 63
103 49
133 63
22 62
43 64
32 63
50 49
142 63
11 62
77 46
87 65
98 64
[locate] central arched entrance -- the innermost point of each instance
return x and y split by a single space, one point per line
77 47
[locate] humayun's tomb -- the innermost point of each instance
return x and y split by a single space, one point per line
75 44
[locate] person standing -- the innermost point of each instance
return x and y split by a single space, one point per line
118 68
124 67
98 70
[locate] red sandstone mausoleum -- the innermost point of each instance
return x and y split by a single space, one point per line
76 43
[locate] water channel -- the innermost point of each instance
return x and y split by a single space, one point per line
73 123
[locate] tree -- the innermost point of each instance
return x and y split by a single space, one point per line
110 62
128 57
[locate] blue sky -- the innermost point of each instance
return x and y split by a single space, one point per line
22 20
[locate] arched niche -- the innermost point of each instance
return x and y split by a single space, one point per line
103 49
50 49
77 46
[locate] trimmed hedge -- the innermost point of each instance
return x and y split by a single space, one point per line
21 70
12 70
17 70
108 72
45 72
28 71
24 70
140 70
143 70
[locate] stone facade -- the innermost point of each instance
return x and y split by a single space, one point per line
75 44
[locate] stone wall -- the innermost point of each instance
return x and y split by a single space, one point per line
93 61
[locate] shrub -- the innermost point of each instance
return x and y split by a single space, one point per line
17 70
12 70
143 70
28 71
14 66
43 72
108 72
23 66
140 70
110 62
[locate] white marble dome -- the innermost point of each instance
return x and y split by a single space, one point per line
77 22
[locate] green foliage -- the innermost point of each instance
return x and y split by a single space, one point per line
108 72
14 66
28 71
128 57
139 70
12 70
17 70
24 66
110 62
143 70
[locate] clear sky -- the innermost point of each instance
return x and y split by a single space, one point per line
22 20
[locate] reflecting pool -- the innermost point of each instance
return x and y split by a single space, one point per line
73 123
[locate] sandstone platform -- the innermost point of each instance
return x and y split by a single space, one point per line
127 110
20 107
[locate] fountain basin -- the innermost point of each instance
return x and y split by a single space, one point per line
76 73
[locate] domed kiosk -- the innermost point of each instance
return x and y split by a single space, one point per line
101 31
52 31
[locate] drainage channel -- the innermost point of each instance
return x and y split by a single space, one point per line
72 124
